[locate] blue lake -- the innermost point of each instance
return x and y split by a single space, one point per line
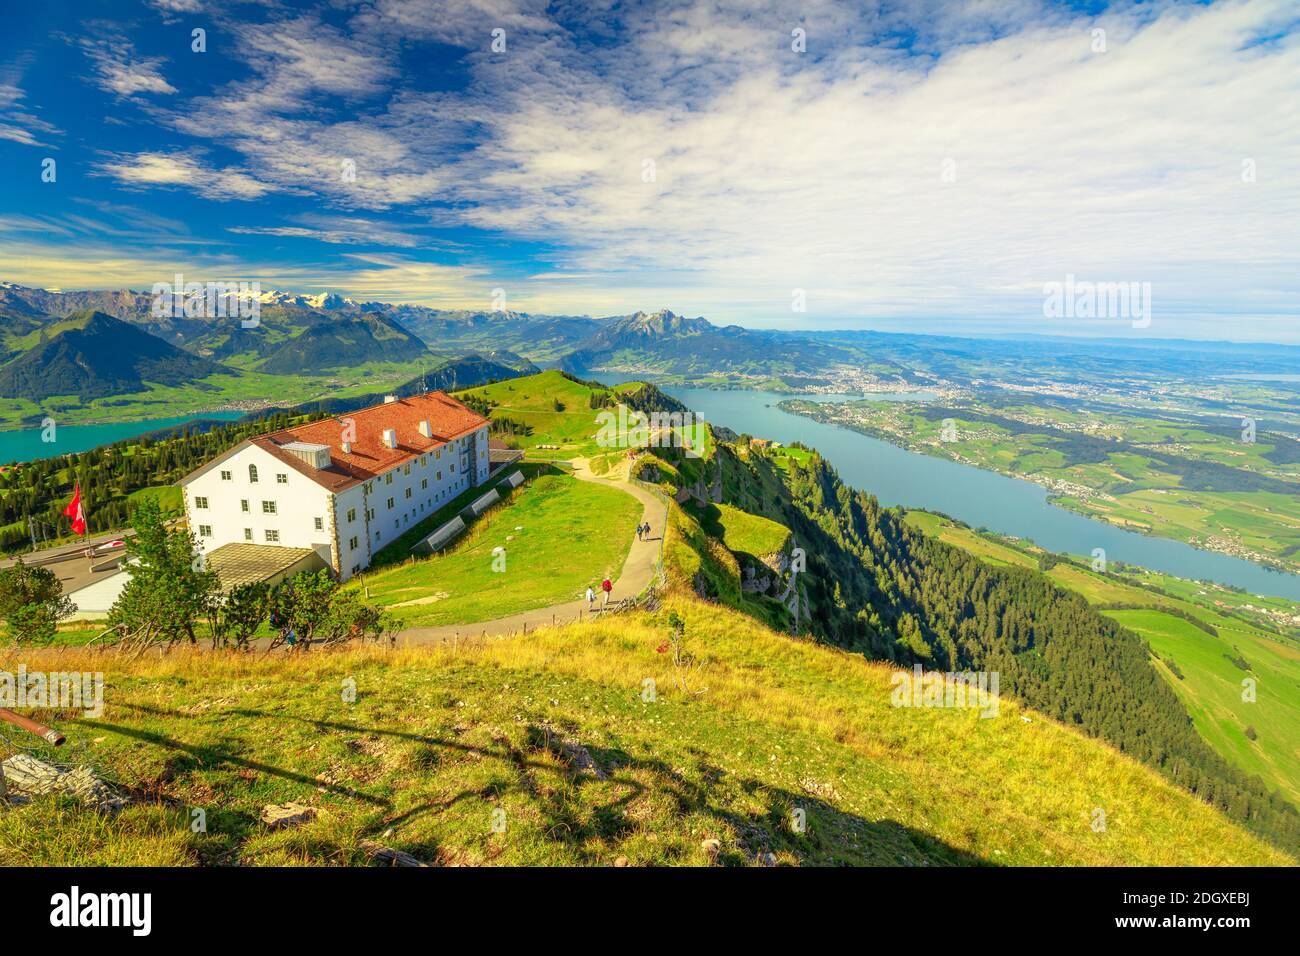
27 444
980 498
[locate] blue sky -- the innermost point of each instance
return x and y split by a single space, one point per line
923 166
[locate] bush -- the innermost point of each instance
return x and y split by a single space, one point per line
32 602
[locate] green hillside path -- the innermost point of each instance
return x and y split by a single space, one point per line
639 571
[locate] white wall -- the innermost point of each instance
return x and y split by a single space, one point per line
432 479
298 503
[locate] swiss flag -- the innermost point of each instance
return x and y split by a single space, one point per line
74 511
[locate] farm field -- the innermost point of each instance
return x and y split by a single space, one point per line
1211 684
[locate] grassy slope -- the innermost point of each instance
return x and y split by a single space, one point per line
1211 688
531 401
594 524
439 739
1211 685
741 531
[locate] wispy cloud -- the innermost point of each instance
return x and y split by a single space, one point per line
178 169
17 123
925 159
338 230
120 71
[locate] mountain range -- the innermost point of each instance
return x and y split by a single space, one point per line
329 335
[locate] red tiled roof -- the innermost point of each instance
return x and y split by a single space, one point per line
369 456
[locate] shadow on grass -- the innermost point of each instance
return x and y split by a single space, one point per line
583 796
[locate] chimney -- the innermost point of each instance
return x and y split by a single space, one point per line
390 437
389 399
426 429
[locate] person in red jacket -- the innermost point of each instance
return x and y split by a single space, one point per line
606 586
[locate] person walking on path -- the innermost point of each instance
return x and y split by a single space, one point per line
607 586
591 598
647 531
640 528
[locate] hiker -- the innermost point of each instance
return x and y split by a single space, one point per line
639 530
606 586
591 597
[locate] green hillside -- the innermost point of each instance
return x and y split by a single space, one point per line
1210 685
547 749
558 411
93 355
733 723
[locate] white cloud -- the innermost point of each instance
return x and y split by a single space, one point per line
774 170
17 124
176 169
120 71
338 230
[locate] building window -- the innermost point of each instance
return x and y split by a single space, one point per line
352 514
200 501
388 478
408 492
205 531
406 469
225 476
440 476
390 504
452 466
356 568
243 504
268 507
352 543
272 536
252 473
320 524
424 482
437 454
281 479
248 534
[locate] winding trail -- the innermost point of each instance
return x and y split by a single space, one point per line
638 573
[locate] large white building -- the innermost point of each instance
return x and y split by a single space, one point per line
344 486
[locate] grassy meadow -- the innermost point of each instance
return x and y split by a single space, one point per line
559 534
550 749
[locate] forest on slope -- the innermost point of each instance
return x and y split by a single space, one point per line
878 586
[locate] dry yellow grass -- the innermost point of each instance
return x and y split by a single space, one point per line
765 726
